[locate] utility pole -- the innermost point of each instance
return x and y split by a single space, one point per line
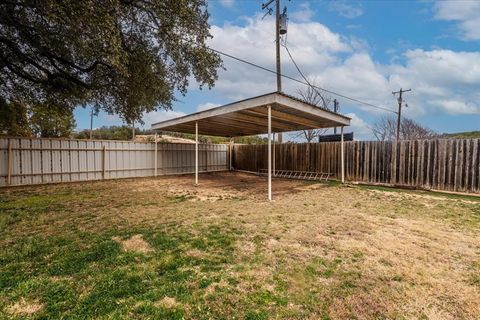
277 42
336 106
277 46
399 113
133 130
91 124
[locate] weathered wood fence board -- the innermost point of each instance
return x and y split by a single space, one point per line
25 161
442 164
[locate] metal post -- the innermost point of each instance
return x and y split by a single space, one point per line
230 150
155 159
9 164
269 153
196 153
273 155
104 161
342 155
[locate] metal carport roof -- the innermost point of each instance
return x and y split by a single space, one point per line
250 117
271 112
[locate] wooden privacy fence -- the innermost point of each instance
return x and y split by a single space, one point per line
25 161
441 164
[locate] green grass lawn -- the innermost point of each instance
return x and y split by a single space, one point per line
137 249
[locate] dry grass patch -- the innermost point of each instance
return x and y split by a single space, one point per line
135 243
168 302
317 252
25 308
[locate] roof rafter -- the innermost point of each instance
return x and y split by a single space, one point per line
249 117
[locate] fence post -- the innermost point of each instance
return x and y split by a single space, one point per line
104 159
156 154
9 174
230 150
342 157
207 150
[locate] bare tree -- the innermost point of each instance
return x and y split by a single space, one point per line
385 129
319 98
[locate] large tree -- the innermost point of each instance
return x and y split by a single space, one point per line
41 120
123 56
319 98
385 129
51 122
14 119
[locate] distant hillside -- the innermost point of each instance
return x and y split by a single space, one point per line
467 134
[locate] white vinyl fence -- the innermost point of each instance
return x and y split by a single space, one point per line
25 161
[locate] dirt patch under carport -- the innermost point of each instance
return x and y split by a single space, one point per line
224 185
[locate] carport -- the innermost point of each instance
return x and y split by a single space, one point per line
274 112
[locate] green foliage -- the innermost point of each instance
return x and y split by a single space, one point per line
41 120
125 57
14 119
108 133
51 122
213 139
463 135
251 140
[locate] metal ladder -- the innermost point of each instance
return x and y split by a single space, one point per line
299 175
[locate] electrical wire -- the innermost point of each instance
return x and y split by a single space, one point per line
298 81
283 75
304 78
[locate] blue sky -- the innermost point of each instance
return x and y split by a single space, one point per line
362 49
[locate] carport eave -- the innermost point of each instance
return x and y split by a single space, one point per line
249 117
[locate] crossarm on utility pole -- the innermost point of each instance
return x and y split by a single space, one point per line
399 113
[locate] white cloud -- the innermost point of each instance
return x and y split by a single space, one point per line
442 80
359 127
465 13
345 65
160 115
207 105
227 3
305 13
345 9
457 106
313 46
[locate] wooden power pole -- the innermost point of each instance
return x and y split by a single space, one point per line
399 113
277 43
336 106
277 46
91 124
133 130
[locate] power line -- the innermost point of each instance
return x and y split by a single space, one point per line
282 75
305 78
299 81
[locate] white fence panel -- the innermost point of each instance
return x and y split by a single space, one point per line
39 161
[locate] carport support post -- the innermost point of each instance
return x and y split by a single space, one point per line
269 153
230 151
155 159
342 157
196 153
273 159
